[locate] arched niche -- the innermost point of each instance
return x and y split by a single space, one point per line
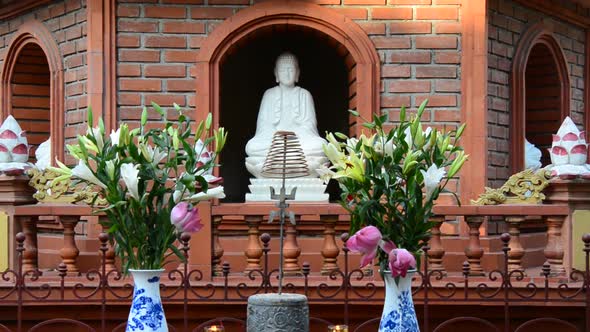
540 90
31 85
260 33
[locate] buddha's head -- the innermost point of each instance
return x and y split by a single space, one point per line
287 69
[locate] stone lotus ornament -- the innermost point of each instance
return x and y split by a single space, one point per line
12 136
532 159
43 155
14 148
569 152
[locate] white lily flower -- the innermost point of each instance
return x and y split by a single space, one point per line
130 175
176 196
409 140
111 169
432 178
97 135
216 192
332 140
203 155
211 178
386 148
115 135
82 171
143 148
351 142
325 173
157 155
427 133
333 153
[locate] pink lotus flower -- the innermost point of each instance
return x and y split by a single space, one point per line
400 261
366 241
186 217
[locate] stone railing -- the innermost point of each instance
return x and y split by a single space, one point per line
313 238
233 234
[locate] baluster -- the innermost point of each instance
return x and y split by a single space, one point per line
291 250
516 250
217 249
474 251
254 251
554 250
436 251
330 249
30 255
109 256
69 253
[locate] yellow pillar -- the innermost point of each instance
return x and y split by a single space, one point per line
581 226
4 250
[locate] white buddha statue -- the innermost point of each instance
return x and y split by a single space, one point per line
290 108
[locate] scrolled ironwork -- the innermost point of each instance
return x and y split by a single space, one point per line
450 288
482 288
323 288
91 275
348 287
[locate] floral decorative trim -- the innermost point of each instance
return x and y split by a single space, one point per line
147 313
403 319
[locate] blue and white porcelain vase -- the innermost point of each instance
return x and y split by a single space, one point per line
398 310
147 312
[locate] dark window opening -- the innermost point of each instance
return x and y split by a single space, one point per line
247 70
30 86
543 100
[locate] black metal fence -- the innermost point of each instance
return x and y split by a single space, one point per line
25 292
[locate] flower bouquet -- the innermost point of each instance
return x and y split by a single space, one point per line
389 181
150 180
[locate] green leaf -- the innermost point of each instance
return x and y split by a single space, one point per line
340 135
144 116
101 126
353 112
421 108
402 114
90 119
460 131
208 121
158 108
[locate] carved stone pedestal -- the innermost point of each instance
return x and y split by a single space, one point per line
278 312
308 189
14 190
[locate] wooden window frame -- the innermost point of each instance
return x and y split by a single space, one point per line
534 35
34 32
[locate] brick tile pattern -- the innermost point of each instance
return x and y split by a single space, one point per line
419 43
507 21
66 20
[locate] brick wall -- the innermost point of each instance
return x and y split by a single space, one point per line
506 23
66 20
418 42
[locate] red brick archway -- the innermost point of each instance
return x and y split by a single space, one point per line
34 32
345 31
536 35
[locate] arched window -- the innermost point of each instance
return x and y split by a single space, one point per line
273 27
32 86
540 91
